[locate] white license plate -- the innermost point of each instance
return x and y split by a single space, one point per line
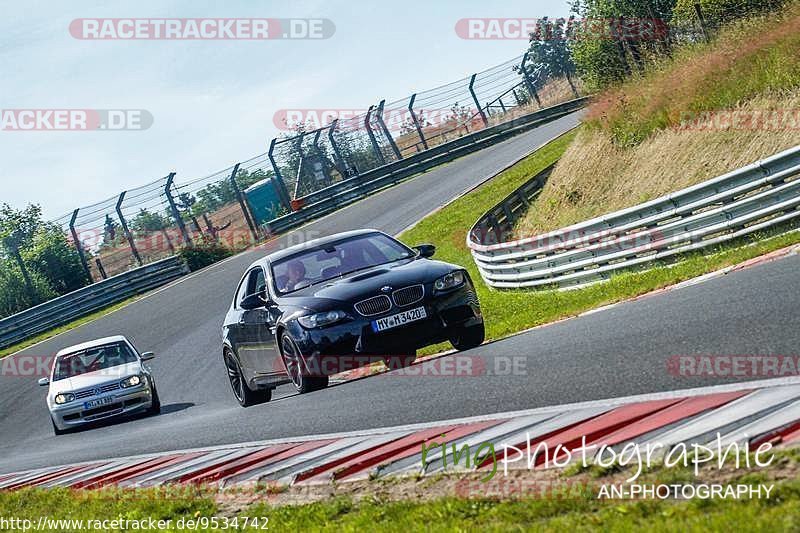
412 315
99 402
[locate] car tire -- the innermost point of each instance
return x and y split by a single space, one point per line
398 361
155 407
55 428
296 367
469 337
241 391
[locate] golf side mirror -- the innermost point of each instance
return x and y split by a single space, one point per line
147 356
425 250
44 382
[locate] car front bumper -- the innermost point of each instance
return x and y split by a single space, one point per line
126 402
353 343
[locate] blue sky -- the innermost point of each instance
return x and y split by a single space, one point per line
213 101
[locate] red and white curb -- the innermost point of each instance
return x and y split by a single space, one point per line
753 412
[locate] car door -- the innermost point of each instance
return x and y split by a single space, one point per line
255 340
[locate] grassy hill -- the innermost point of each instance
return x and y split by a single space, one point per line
707 110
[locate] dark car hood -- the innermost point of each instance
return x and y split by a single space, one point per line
365 283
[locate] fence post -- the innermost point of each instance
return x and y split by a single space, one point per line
572 85
300 165
626 67
278 179
174 208
386 130
528 82
100 268
79 246
617 33
323 157
702 19
375 146
125 229
416 122
475 99
12 247
240 197
337 155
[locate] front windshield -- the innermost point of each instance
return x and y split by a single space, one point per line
322 263
92 360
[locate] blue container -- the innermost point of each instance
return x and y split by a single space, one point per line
265 204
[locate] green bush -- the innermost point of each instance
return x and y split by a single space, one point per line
747 59
205 252
716 12
601 62
51 262
598 62
50 254
14 295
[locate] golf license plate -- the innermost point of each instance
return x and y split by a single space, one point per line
412 315
99 402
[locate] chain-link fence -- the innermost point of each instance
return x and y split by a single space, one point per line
232 206
311 159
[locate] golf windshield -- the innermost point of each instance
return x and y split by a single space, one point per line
92 360
322 263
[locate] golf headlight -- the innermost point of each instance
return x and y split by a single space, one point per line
321 319
132 381
450 281
64 398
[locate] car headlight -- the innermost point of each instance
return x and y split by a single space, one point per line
64 398
450 281
321 319
132 381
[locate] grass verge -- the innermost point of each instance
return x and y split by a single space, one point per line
570 503
14 348
507 312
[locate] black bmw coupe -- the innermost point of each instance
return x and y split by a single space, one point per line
309 311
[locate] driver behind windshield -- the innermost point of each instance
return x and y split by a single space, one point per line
87 361
297 275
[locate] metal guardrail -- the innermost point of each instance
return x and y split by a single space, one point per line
348 191
64 309
755 197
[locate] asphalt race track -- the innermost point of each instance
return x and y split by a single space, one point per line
620 351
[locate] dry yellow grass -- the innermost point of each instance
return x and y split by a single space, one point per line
597 176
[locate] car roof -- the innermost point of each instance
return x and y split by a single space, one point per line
291 250
92 344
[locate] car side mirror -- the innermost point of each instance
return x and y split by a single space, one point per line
254 301
44 382
147 356
425 250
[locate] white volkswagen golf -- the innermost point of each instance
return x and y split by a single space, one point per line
100 379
